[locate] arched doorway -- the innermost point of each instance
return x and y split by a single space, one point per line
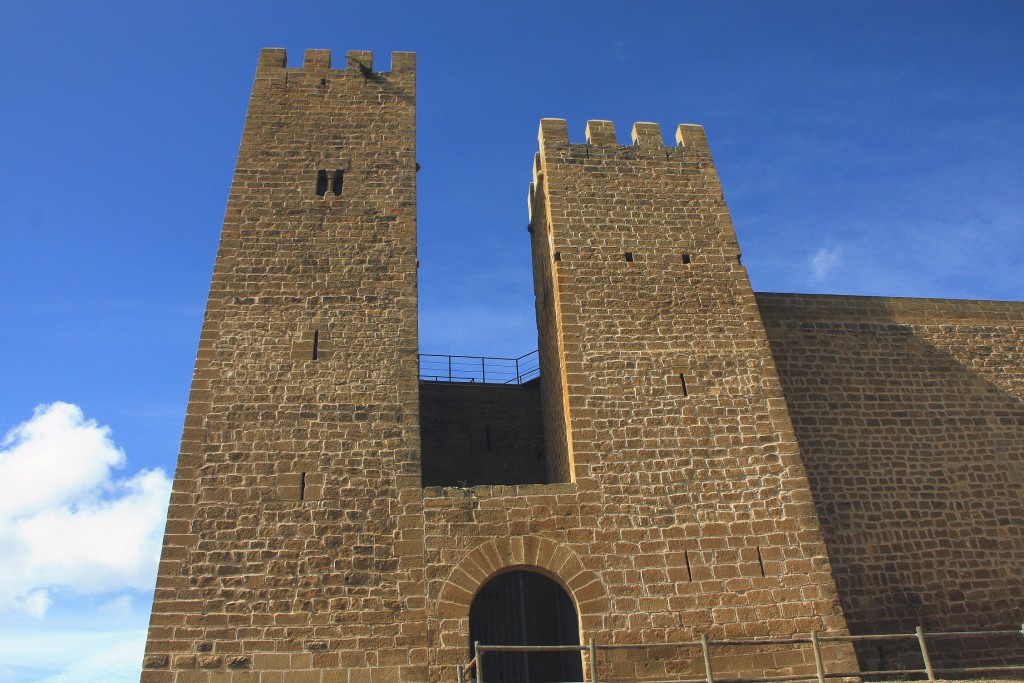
525 608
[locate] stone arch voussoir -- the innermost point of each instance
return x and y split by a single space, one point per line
557 561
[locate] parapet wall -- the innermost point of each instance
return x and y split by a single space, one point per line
910 418
481 434
356 61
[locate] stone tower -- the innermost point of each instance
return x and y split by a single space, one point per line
292 540
315 535
661 398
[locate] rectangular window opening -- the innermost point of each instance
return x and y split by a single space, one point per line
629 257
686 258
321 183
316 344
338 183
302 486
558 256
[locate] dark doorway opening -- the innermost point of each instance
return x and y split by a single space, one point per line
525 608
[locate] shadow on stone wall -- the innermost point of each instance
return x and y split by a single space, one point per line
478 434
912 432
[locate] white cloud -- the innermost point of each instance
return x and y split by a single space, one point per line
120 607
55 656
116 664
823 262
67 524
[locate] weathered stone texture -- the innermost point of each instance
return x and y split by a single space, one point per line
674 418
687 511
910 416
287 544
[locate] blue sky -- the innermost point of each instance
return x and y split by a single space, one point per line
864 148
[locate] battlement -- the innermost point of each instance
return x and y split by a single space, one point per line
694 460
356 61
602 133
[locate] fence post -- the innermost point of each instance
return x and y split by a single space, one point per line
705 647
517 372
483 370
819 666
462 674
924 654
479 662
592 652
449 368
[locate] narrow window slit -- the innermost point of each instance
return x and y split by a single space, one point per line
487 436
558 256
338 183
760 562
686 258
689 574
682 382
321 183
302 486
629 257
316 344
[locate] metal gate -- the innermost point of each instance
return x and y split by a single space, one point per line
526 608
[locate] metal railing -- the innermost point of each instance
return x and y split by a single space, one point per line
475 666
479 369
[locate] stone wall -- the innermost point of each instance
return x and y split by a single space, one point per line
687 510
693 433
473 434
550 345
293 537
910 417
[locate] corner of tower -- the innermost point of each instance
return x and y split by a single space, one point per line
691 136
553 132
271 65
273 58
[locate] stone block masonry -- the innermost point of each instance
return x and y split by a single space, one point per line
698 515
472 434
694 459
910 415
293 535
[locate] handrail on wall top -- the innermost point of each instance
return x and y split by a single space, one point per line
479 369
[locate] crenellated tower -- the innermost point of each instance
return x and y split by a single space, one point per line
340 516
660 392
293 537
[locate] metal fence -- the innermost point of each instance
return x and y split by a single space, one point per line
475 670
479 369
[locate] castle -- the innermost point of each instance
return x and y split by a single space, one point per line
694 458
